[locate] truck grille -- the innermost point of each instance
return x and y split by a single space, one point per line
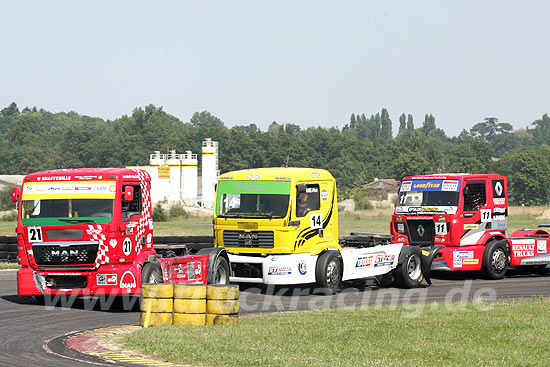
65 253
421 232
259 239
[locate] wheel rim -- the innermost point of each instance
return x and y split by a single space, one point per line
498 260
221 275
413 267
332 274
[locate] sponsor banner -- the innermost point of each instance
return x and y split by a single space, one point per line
406 186
463 254
279 270
69 190
541 246
450 185
523 250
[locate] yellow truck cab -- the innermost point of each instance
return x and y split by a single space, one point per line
280 226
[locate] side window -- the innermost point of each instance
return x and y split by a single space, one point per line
308 200
131 208
475 197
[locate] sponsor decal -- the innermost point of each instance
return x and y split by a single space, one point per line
128 280
499 210
324 194
427 185
541 246
279 270
406 186
470 261
106 279
429 209
463 254
283 178
457 263
499 201
523 250
226 178
384 260
364 261
113 242
149 238
414 209
130 176
471 226
499 217
449 186
311 190
302 267
497 225
55 178
315 175
253 177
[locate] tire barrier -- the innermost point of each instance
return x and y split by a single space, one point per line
8 248
222 305
189 304
157 304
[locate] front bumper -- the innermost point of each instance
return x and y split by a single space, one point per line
123 279
458 258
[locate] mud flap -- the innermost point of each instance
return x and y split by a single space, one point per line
428 254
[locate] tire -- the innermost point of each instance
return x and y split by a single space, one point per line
11 247
189 319
222 307
190 291
192 306
409 273
222 292
386 280
157 290
3 246
220 275
151 274
328 272
4 255
157 305
495 259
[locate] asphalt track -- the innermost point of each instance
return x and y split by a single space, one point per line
25 326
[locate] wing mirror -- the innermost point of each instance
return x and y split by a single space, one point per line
128 193
15 194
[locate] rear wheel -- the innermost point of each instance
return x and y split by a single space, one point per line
409 273
328 272
495 259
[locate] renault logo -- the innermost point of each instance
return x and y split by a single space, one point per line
421 230
498 188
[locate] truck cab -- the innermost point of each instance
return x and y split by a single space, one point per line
280 226
83 231
466 215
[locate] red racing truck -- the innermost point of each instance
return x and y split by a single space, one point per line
465 217
89 231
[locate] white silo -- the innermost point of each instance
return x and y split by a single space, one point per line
160 174
209 172
189 163
174 162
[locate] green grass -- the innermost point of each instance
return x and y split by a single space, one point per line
6 265
377 220
508 334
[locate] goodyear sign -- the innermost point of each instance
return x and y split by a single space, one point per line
430 185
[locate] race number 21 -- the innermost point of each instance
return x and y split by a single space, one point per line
35 234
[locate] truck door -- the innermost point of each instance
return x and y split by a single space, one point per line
477 216
313 205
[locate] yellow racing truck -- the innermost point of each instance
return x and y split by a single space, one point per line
280 226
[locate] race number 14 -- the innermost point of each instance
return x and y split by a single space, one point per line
35 234
316 220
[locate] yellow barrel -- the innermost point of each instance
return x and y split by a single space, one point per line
189 304
222 305
157 304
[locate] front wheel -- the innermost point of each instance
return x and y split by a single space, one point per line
328 272
495 259
221 271
151 274
409 273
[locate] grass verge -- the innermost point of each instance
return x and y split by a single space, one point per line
6 265
499 334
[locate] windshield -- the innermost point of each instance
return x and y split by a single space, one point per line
67 203
436 196
253 199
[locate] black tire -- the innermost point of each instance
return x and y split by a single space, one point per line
3 247
151 274
409 273
495 259
11 247
220 274
4 255
328 272
386 280
540 269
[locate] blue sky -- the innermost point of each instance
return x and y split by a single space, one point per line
311 63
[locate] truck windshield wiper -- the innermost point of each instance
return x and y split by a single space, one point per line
77 220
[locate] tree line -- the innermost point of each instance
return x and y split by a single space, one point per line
34 139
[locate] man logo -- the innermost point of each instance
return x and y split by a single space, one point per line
128 280
421 230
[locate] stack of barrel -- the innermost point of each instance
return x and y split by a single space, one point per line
157 304
189 304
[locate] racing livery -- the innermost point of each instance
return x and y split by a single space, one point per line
465 216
